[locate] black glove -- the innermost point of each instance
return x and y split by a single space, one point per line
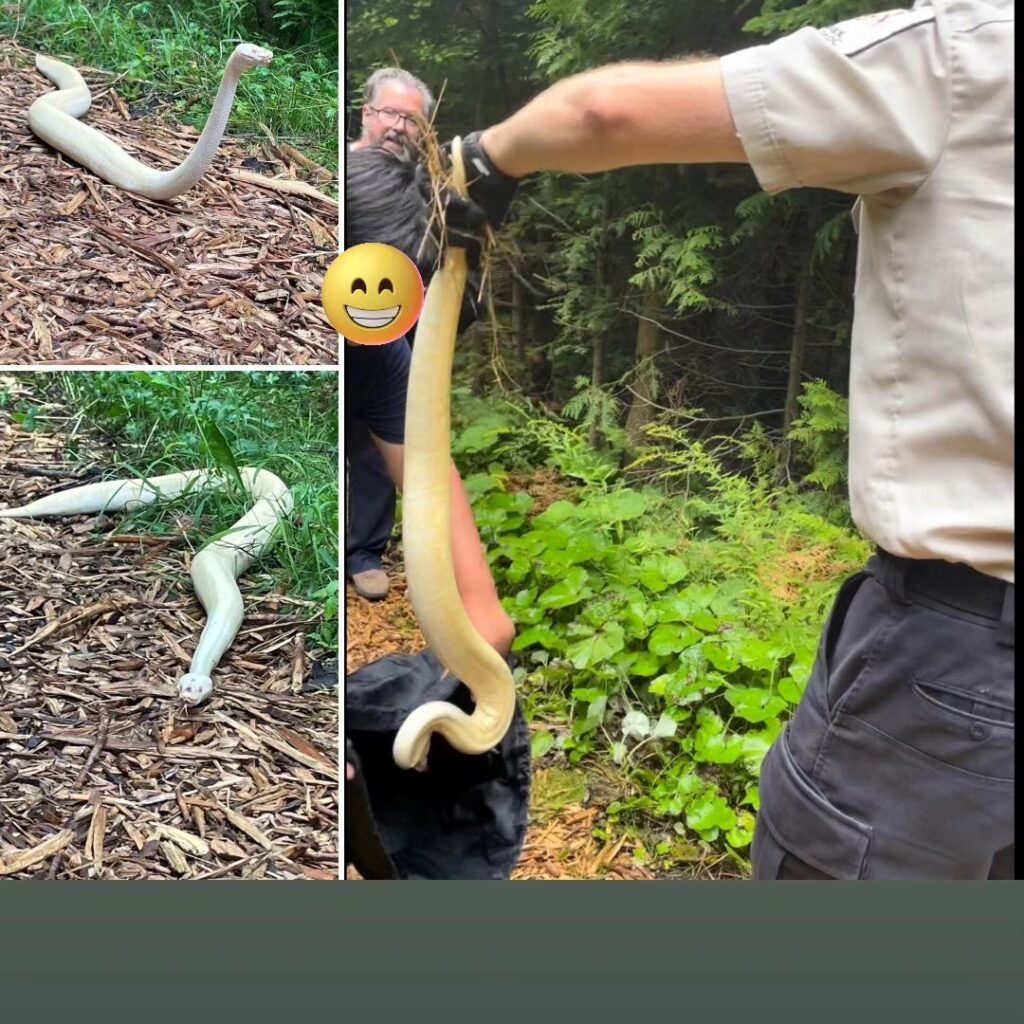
492 190
465 223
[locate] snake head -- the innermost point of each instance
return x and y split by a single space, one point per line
194 688
252 56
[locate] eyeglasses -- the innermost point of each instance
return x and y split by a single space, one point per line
391 117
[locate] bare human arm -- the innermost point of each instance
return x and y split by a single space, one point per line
472 573
621 115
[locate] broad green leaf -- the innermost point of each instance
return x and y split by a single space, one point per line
759 655
555 513
644 664
709 811
742 835
720 748
596 648
540 635
669 638
650 575
541 742
719 654
584 547
568 590
623 504
791 690
705 621
754 704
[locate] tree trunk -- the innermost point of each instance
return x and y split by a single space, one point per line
597 373
518 333
648 342
492 41
265 16
595 436
541 373
796 363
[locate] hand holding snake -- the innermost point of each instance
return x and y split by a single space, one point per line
426 535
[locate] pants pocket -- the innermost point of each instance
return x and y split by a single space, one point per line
800 821
971 706
860 622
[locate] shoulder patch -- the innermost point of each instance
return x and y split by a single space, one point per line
859 34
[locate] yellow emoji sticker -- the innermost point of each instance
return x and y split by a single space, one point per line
372 294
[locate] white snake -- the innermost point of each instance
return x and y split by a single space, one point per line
214 569
426 536
54 119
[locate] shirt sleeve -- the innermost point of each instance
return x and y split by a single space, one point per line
862 107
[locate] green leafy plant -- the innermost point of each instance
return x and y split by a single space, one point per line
821 436
671 627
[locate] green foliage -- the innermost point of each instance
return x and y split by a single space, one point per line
681 266
524 439
784 16
668 609
671 625
174 54
155 423
759 211
821 437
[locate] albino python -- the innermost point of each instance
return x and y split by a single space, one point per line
54 119
426 535
214 569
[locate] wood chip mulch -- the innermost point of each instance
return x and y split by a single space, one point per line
566 849
228 273
103 772
562 846
375 629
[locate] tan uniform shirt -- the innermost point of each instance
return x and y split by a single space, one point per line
912 111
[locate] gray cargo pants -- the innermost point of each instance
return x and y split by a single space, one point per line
899 761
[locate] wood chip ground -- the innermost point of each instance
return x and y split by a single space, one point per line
103 773
227 274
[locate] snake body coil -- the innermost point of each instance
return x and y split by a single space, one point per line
54 119
426 537
214 569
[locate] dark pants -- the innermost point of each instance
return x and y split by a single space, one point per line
899 760
371 502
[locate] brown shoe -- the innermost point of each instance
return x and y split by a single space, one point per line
372 584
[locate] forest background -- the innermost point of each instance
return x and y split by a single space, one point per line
652 419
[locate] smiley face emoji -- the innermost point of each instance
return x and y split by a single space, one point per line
372 294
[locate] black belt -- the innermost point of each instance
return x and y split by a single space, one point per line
953 584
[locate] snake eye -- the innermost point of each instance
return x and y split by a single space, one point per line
385 286
359 285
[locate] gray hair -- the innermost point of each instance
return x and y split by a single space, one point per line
383 75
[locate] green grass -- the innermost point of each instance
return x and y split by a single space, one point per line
174 54
154 423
